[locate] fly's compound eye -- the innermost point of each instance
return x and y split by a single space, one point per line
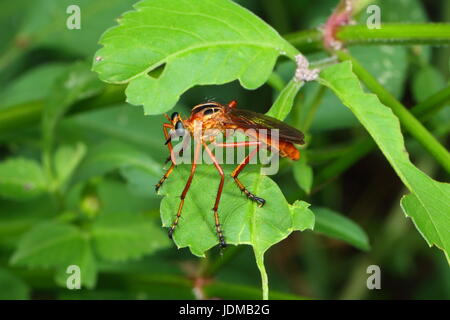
174 115
209 111
179 128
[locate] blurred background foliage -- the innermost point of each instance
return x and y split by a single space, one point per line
94 160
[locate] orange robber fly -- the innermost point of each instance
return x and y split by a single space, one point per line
213 115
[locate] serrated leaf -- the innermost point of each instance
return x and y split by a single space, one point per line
432 217
51 244
205 42
21 179
337 226
241 220
302 217
125 236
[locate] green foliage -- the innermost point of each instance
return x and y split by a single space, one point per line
337 226
66 161
21 179
13 288
51 244
78 165
48 28
242 221
303 174
431 212
285 100
121 237
200 46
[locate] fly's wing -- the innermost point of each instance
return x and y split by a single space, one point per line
246 119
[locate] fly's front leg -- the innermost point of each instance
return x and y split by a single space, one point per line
186 189
171 157
241 166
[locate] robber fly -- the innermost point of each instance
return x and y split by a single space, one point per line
213 115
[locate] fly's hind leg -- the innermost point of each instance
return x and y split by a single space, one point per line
241 166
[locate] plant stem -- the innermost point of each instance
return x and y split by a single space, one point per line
234 291
276 82
408 121
309 41
396 33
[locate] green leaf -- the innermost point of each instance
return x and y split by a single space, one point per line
302 217
303 174
205 42
44 24
433 228
285 100
77 83
116 197
337 226
88 269
51 244
123 123
24 89
242 221
117 155
125 236
21 179
18 217
66 160
432 217
426 82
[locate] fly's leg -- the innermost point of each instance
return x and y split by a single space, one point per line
241 166
185 190
222 242
165 176
172 157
